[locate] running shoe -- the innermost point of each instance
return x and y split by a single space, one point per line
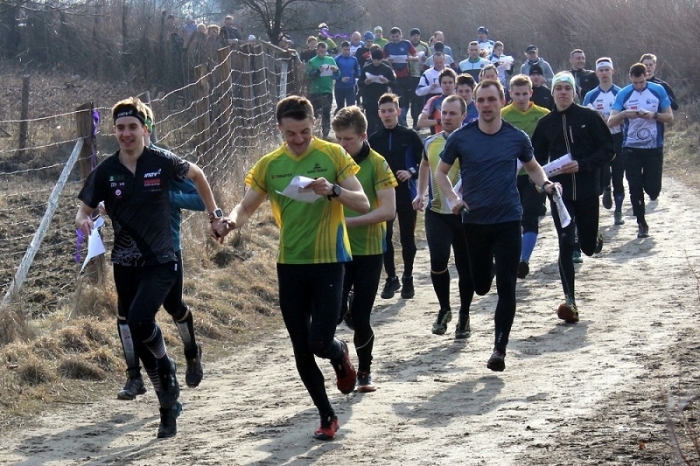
170 389
168 420
345 372
195 372
598 244
497 361
133 386
618 219
577 259
364 382
568 312
443 318
607 198
407 290
463 329
523 269
329 426
391 286
643 230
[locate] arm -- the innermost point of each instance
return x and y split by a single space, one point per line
242 212
385 212
423 86
351 194
616 117
445 185
424 121
423 178
83 219
537 175
200 182
183 195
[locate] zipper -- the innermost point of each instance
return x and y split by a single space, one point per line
568 148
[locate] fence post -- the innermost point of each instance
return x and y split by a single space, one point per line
24 124
202 109
95 270
223 80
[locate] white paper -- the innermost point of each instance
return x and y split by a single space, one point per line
457 189
296 190
504 63
95 247
421 54
326 70
553 168
564 216
373 78
398 58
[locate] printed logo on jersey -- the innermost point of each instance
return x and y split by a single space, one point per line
152 181
281 175
318 169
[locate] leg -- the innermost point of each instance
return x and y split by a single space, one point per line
404 85
617 175
392 284
566 264
466 287
653 172
506 249
407 232
532 204
440 236
632 161
327 103
479 246
126 289
368 271
587 212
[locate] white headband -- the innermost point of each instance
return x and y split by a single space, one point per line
603 64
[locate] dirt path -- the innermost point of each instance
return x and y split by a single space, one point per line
571 394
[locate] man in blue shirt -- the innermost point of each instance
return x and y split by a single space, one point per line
349 70
488 150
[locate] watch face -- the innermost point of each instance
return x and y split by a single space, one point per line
218 213
336 190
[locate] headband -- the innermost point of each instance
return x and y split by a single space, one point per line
603 64
128 111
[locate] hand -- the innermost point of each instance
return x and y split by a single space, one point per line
457 204
632 114
321 186
569 167
434 86
383 80
646 115
345 79
215 229
550 187
85 226
334 68
368 81
418 203
403 175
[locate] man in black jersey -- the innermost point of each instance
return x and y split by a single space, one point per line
541 94
586 80
134 184
649 60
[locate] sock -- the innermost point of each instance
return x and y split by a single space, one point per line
156 344
441 285
619 198
155 379
186 330
132 359
529 242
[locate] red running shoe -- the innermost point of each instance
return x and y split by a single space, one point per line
329 426
568 312
345 372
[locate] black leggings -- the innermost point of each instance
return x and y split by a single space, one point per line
584 214
362 275
407 236
614 172
442 232
532 202
310 302
644 168
502 242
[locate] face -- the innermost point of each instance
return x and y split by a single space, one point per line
439 62
490 74
639 83
651 66
521 97
228 21
321 51
537 79
389 114
605 74
396 37
531 55
355 38
297 133
377 34
439 37
346 51
473 51
311 44
368 43
489 104
498 51
350 140
415 38
482 36
447 84
578 61
377 61
130 133
563 95
466 92
451 116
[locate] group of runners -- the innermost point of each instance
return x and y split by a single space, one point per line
336 237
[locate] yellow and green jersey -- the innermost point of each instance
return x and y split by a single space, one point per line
374 175
310 233
526 121
433 147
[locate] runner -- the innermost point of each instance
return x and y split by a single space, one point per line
474 63
487 151
465 89
431 115
367 233
577 131
643 108
524 115
375 80
403 150
601 100
400 53
322 71
133 184
443 228
314 245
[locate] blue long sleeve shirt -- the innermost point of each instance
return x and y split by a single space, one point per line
348 68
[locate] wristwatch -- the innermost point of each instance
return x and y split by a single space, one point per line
543 188
216 215
336 191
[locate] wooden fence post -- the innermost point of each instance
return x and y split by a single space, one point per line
223 110
24 116
202 109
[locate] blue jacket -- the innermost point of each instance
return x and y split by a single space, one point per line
348 68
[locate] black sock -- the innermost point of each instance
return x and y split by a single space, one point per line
441 285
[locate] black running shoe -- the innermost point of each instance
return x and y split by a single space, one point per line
133 386
170 389
195 372
523 269
168 420
463 329
407 290
497 361
598 244
607 199
391 286
643 231
443 318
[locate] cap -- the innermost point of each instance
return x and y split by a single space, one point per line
378 28
531 48
415 31
563 77
369 35
482 29
536 69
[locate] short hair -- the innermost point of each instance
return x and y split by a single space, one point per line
214 27
466 80
438 46
491 83
321 45
648 56
473 43
574 51
447 72
131 103
296 107
344 43
228 17
637 70
521 80
498 43
311 39
377 53
389 98
350 118
395 30
490 67
458 99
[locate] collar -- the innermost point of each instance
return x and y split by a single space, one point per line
364 152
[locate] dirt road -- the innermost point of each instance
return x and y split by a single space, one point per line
590 393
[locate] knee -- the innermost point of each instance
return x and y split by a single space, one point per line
141 328
179 313
322 349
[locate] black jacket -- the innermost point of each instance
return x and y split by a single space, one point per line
373 91
582 131
586 81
